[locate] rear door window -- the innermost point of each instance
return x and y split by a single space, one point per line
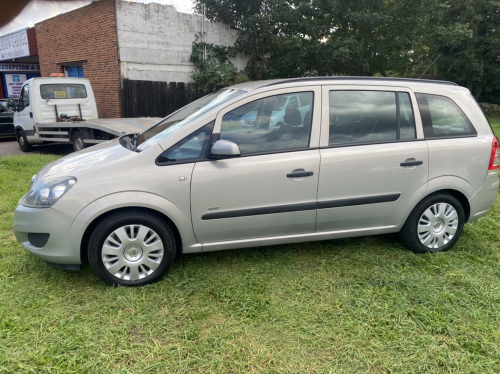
442 118
370 117
406 117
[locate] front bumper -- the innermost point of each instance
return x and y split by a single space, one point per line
63 245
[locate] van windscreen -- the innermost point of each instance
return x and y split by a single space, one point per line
63 91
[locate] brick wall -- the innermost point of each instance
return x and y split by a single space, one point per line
86 34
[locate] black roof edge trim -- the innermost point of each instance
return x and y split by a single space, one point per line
341 78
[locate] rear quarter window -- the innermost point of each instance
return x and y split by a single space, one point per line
442 118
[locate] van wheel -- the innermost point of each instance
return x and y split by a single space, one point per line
435 225
131 248
77 140
23 141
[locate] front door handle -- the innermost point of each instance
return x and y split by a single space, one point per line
411 162
31 114
300 174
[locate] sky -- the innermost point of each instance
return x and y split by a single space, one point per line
37 11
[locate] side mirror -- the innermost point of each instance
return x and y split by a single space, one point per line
11 105
225 149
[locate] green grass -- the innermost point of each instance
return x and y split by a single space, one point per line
343 306
495 123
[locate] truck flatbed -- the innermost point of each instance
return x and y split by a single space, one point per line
115 126
60 132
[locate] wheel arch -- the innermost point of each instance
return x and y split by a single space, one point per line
180 222
453 185
18 129
460 197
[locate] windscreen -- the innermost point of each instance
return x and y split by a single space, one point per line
63 91
183 117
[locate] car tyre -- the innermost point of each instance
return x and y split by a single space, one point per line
434 225
77 140
131 248
23 141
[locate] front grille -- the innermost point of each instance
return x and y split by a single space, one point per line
38 240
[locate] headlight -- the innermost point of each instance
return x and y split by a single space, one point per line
44 193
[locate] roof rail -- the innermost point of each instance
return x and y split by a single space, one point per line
340 78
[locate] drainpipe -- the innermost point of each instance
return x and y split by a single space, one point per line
204 31
118 43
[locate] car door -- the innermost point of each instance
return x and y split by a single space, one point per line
374 159
24 116
271 189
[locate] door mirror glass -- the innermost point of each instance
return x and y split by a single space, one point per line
225 149
11 105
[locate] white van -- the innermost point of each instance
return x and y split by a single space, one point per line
63 110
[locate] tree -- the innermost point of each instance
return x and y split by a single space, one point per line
291 38
466 34
216 68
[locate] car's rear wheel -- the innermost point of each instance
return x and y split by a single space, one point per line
435 225
131 248
23 141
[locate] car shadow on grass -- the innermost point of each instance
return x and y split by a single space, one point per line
356 252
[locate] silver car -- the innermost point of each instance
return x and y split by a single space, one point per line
368 156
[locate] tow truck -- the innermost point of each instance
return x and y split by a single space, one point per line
59 109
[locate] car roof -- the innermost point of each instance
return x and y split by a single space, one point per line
409 82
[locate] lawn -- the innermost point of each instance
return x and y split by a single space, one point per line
342 306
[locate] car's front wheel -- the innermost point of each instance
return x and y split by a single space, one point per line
435 225
131 248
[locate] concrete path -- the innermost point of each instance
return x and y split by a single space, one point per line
9 147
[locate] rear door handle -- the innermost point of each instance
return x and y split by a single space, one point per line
411 163
301 174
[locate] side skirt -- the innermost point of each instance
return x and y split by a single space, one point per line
287 239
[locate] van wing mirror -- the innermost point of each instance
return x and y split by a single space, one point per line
224 149
12 105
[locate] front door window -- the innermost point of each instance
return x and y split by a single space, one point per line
272 124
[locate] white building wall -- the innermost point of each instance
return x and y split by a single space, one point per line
155 41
